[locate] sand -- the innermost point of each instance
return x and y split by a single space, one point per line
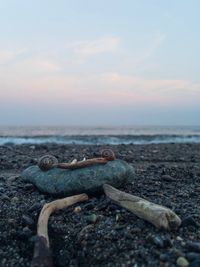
165 174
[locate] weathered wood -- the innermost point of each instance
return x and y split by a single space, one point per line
159 216
42 254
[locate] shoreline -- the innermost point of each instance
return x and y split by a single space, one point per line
167 174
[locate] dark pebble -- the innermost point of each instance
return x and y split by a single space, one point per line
25 233
158 241
36 206
27 220
89 206
4 197
191 256
193 246
28 187
165 257
189 220
195 264
2 189
167 178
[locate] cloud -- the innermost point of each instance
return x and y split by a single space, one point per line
104 89
94 47
9 55
153 45
43 65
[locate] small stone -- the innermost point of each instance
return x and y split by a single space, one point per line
27 220
165 257
195 263
5 197
182 262
167 178
89 206
193 246
189 220
179 238
91 218
36 206
12 178
77 209
193 256
28 186
42 202
12 221
15 199
2 189
25 233
158 241
117 217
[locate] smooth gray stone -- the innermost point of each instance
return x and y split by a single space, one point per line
85 180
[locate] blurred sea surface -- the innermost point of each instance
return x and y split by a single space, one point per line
100 135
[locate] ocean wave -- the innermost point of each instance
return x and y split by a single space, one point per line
100 139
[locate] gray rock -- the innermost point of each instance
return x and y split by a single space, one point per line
85 180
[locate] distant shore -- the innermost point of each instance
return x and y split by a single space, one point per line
167 174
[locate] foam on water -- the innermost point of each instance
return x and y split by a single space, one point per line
99 135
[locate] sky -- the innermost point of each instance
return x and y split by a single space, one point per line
108 62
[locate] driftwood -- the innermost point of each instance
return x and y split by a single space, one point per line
159 216
48 162
42 254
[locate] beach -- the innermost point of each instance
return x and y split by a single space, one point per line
166 174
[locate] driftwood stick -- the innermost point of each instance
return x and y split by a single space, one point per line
159 216
42 254
47 162
81 164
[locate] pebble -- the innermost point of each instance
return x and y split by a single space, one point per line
193 256
15 199
5 197
12 178
179 238
2 189
12 221
36 206
28 187
89 206
167 178
195 263
189 220
165 257
193 246
25 233
91 218
182 262
27 220
77 209
161 242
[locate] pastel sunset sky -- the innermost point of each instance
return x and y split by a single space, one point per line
99 62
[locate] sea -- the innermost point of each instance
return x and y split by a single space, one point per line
99 135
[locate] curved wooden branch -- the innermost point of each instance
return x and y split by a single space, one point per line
42 254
